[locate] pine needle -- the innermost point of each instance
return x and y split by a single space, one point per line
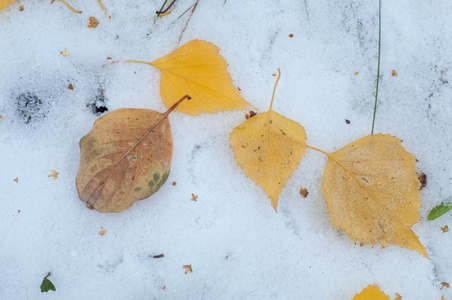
378 68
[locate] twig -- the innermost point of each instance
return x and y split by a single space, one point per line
186 24
164 11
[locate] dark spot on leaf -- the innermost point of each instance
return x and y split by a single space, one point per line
156 177
137 189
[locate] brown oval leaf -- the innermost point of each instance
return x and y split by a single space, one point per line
126 157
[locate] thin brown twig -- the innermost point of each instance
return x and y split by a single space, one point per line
186 24
164 11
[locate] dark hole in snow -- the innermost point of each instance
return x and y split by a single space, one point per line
98 105
30 107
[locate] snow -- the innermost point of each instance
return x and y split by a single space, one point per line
238 247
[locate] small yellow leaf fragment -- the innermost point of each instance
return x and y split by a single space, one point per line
103 231
16 179
372 292
303 192
291 35
394 73
1 117
445 229
93 22
444 285
164 287
442 298
187 269
54 174
194 197
65 52
356 73
21 8
397 296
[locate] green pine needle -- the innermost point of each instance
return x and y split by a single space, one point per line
378 68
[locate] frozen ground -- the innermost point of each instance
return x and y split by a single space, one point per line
239 248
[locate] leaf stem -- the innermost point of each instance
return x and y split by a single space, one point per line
68 6
378 68
318 150
274 89
140 62
164 3
164 11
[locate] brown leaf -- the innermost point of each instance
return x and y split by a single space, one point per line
303 192
126 157
54 174
291 35
93 22
394 73
194 197
187 269
356 73
445 229
423 180
70 86
397 296
159 256
174 183
103 231
164 287
16 179
21 8
444 285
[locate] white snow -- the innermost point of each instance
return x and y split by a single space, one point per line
239 248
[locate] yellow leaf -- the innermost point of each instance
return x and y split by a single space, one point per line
5 3
199 70
269 147
372 192
126 157
372 292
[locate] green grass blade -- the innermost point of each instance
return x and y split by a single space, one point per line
378 68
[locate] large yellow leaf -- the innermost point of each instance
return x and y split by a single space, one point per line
269 147
126 157
372 292
372 192
5 3
199 70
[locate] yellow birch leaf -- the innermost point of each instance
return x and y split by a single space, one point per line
269 147
126 157
372 192
5 3
372 292
199 70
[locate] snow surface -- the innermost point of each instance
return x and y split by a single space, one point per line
239 248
